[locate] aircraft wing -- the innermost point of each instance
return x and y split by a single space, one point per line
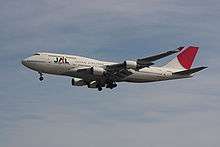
78 70
118 75
143 62
159 56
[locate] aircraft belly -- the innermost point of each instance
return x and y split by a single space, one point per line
141 77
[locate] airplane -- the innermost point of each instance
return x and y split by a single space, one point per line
98 74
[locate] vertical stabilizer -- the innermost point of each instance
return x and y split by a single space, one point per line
184 59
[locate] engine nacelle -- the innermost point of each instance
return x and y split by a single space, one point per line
78 82
93 84
131 64
98 71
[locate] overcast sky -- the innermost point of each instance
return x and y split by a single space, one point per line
52 113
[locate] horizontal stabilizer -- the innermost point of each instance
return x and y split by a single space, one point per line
190 71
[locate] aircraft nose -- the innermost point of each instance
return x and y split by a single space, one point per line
24 62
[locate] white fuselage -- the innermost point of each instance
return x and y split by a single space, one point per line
60 64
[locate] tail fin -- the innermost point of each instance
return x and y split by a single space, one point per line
184 59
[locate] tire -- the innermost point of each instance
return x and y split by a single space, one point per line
99 88
41 78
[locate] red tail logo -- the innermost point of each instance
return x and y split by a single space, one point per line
187 56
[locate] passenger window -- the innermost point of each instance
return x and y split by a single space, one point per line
36 54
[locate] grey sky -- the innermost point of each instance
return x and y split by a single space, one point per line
52 113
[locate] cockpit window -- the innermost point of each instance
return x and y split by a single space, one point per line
36 54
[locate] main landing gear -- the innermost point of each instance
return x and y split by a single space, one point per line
99 88
41 76
111 85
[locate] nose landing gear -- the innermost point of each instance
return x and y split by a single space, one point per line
41 76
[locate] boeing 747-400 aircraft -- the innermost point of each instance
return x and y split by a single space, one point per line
97 74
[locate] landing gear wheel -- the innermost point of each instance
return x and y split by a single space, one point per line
114 85
111 85
99 88
41 78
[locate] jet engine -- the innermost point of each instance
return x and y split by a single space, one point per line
131 65
98 71
93 84
78 82
136 65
